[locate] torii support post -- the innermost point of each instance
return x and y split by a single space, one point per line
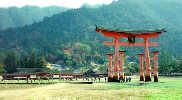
110 76
116 62
147 61
122 64
141 67
155 59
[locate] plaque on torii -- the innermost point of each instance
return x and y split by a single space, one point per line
131 35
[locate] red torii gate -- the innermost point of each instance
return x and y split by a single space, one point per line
131 35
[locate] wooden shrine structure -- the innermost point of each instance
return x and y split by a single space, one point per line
116 74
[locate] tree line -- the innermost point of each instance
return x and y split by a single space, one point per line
167 63
12 61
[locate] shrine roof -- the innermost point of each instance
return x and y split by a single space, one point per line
100 29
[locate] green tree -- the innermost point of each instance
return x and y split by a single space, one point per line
2 70
165 63
41 62
10 62
33 61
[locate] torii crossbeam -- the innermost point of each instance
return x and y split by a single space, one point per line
133 44
131 35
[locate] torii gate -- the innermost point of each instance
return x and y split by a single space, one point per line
131 35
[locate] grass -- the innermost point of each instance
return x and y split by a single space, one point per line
168 88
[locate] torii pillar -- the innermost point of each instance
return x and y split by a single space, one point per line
141 67
116 61
110 76
155 59
122 64
147 61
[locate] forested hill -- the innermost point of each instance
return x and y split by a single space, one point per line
16 17
69 38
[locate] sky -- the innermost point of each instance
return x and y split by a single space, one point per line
44 3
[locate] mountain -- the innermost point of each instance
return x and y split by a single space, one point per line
91 6
18 17
69 38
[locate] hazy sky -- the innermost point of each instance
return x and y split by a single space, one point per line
43 3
